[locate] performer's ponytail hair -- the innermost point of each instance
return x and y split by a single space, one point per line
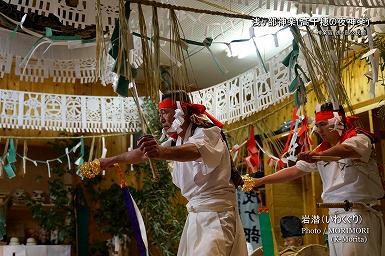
178 95
328 106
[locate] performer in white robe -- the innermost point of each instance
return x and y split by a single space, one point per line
354 177
359 231
202 170
213 225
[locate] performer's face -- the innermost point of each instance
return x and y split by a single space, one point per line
166 117
292 241
326 131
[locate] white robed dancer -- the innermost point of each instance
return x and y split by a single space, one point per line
202 170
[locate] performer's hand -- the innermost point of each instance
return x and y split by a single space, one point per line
257 183
149 146
307 156
105 163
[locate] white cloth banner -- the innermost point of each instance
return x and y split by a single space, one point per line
248 210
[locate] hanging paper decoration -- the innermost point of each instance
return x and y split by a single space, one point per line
252 37
80 160
38 111
104 152
8 161
11 155
298 136
25 150
207 43
10 167
297 85
304 139
50 40
49 169
273 161
68 158
291 143
240 107
374 57
276 163
252 160
235 149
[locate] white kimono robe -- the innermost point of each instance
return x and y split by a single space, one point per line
356 180
213 226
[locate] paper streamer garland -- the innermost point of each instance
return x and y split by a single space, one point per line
7 162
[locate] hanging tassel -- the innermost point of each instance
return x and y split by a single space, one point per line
76 147
80 160
68 159
25 150
49 168
104 152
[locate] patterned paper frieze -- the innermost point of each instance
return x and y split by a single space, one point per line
71 113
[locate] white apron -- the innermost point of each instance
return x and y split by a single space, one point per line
213 227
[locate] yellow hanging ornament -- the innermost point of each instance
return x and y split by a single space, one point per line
249 183
90 169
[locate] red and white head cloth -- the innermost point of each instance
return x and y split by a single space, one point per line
179 115
333 117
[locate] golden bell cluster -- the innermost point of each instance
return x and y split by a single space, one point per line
90 169
248 184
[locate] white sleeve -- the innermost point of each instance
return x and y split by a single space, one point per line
210 146
167 143
362 145
305 166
